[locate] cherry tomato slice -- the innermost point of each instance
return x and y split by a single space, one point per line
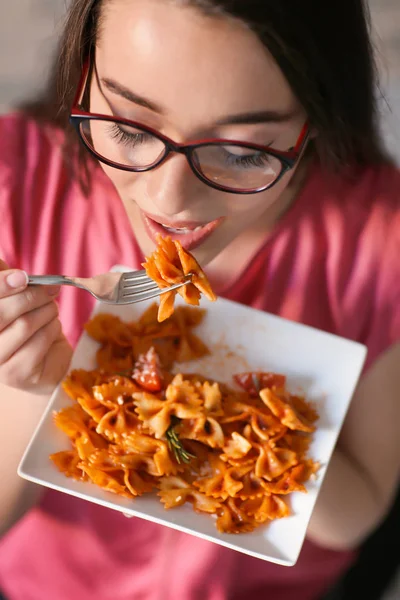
147 371
254 382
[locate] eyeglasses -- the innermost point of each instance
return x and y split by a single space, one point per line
226 165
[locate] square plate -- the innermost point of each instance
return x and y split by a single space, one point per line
323 366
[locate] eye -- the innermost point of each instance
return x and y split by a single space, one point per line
125 135
242 157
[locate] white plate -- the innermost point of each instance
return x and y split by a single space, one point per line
323 366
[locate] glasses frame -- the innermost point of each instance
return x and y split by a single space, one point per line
287 159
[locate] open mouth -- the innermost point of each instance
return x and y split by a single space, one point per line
190 235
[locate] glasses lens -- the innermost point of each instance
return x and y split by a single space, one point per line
237 167
121 144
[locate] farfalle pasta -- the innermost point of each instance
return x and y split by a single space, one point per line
135 428
171 264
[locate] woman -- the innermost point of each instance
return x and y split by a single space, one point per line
292 207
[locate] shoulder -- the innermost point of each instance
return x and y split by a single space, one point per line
370 204
359 194
372 213
358 222
361 209
22 137
24 144
31 172
377 192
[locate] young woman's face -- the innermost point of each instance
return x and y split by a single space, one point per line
190 77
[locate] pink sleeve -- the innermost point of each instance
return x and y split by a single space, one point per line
31 179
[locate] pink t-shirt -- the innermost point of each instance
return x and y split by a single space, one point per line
333 263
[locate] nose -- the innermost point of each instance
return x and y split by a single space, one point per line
172 186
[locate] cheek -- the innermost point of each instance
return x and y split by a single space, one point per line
245 209
122 180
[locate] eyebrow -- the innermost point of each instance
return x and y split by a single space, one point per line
120 90
253 118
250 118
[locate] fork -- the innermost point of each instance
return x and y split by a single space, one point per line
112 288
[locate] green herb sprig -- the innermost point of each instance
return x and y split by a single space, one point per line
175 444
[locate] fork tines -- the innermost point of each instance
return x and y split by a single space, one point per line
136 286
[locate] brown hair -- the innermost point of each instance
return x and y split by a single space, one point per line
323 48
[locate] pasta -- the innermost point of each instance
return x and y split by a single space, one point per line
171 264
135 428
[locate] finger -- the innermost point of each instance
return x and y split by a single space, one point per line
26 365
14 307
12 281
23 328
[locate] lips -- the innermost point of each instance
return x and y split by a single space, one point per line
189 233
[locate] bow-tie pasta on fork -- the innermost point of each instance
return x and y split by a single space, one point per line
171 264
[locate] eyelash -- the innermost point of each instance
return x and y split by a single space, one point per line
255 160
123 137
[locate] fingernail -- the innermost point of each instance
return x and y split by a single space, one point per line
17 279
53 290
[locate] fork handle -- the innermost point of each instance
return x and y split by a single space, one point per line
49 280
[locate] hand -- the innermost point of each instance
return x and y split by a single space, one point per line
34 353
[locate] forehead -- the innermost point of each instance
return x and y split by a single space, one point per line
190 63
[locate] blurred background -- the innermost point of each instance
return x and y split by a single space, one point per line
29 30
